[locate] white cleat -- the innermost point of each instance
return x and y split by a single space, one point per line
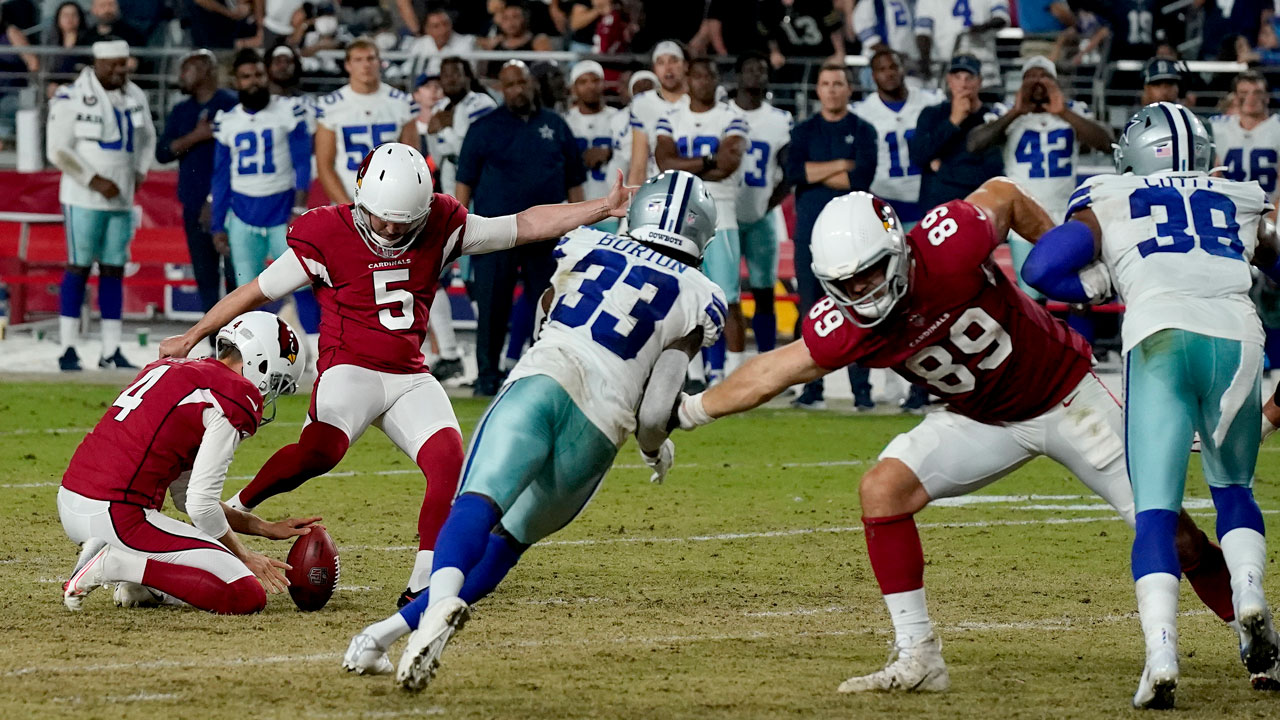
86 579
133 595
1259 646
365 656
422 655
912 668
87 551
1158 683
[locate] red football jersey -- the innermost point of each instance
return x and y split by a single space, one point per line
150 434
964 330
374 309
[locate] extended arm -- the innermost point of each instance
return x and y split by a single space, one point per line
992 133
759 380
783 188
1092 134
1011 208
241 300
540 222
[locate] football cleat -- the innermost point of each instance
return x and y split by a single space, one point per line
1159 681
447 368
810 399
862 402
912 668
408 596
134 595
1259 646
365 656
70 361
422 654
86 579
117 360
1266 680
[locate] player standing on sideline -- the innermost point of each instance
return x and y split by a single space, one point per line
591 121
763 189
932 306
180 417
1248 143
708 138
648 108
461 106
885 25
1193 359
375 265
360 116
261 169
626 314
101 137
945 28
1042 133
639 82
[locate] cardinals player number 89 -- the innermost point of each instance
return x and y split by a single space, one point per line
942 230
945 365
826 314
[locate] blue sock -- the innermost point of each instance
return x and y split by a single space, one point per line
764 324
1236 509
308 311
461 544
71 294
714 358
500 556
412 613
1154 548
110 297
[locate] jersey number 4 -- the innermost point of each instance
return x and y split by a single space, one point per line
622 336
131 398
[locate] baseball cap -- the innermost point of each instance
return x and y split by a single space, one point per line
1162 70
1042 62
423 79
965 63
585 67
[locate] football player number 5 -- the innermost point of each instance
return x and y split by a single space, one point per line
131 398
400 317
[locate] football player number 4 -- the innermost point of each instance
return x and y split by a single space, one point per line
399 317
131 398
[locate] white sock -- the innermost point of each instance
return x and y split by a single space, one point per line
111 332
1158 608
697 371
732 361
238 504
1245 552
420 578
122 566
441 321
910 616
445 583
387 631
68 331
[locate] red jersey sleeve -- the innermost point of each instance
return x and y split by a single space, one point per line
833 340
957 236
306 238
447 215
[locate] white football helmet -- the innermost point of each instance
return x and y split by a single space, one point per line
273 356
394 185
854 233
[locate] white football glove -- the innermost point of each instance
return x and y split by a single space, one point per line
1096 282
661 461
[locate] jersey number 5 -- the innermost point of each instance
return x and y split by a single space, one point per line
393 318
131 398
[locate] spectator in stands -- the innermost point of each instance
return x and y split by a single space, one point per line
67 31
1162 81
276 20
1130 25
832 153
945 29
217 24
583 16
106 23
465 102
14 19
1040 20
101 137
1224 19
438 40
812 29
517 156
188 138
948 169
322 32
614 31
659 20
512 33
146 18
886 25
1081 42
732 27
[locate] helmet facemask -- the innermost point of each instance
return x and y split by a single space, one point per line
875 305
379 245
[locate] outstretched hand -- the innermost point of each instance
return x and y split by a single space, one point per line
619 199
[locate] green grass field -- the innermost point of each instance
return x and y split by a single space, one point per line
739 589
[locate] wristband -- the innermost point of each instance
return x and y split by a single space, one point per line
692 413
708 163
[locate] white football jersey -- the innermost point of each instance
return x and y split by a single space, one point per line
123 162
594 131
1248 154
947 22
647 109
1041 152
259 143
620 127
618 305
446 145
1178 246
361 123
769 131
896 177
698 134
895 28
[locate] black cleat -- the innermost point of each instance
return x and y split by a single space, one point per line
118 361
70 361
408 596
445 368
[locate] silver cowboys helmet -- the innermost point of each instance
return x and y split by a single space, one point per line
394 185
272 354
673 210
853 234
1161 137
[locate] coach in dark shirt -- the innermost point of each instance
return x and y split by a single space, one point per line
948 171
832 153
517 156
188 138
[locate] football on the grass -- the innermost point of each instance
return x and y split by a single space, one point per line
313 569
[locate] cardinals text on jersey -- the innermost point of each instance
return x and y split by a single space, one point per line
698 134
593 131
375 309
361 123
1041 153
618 305
768 132
1248 154
964 329
1178 246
